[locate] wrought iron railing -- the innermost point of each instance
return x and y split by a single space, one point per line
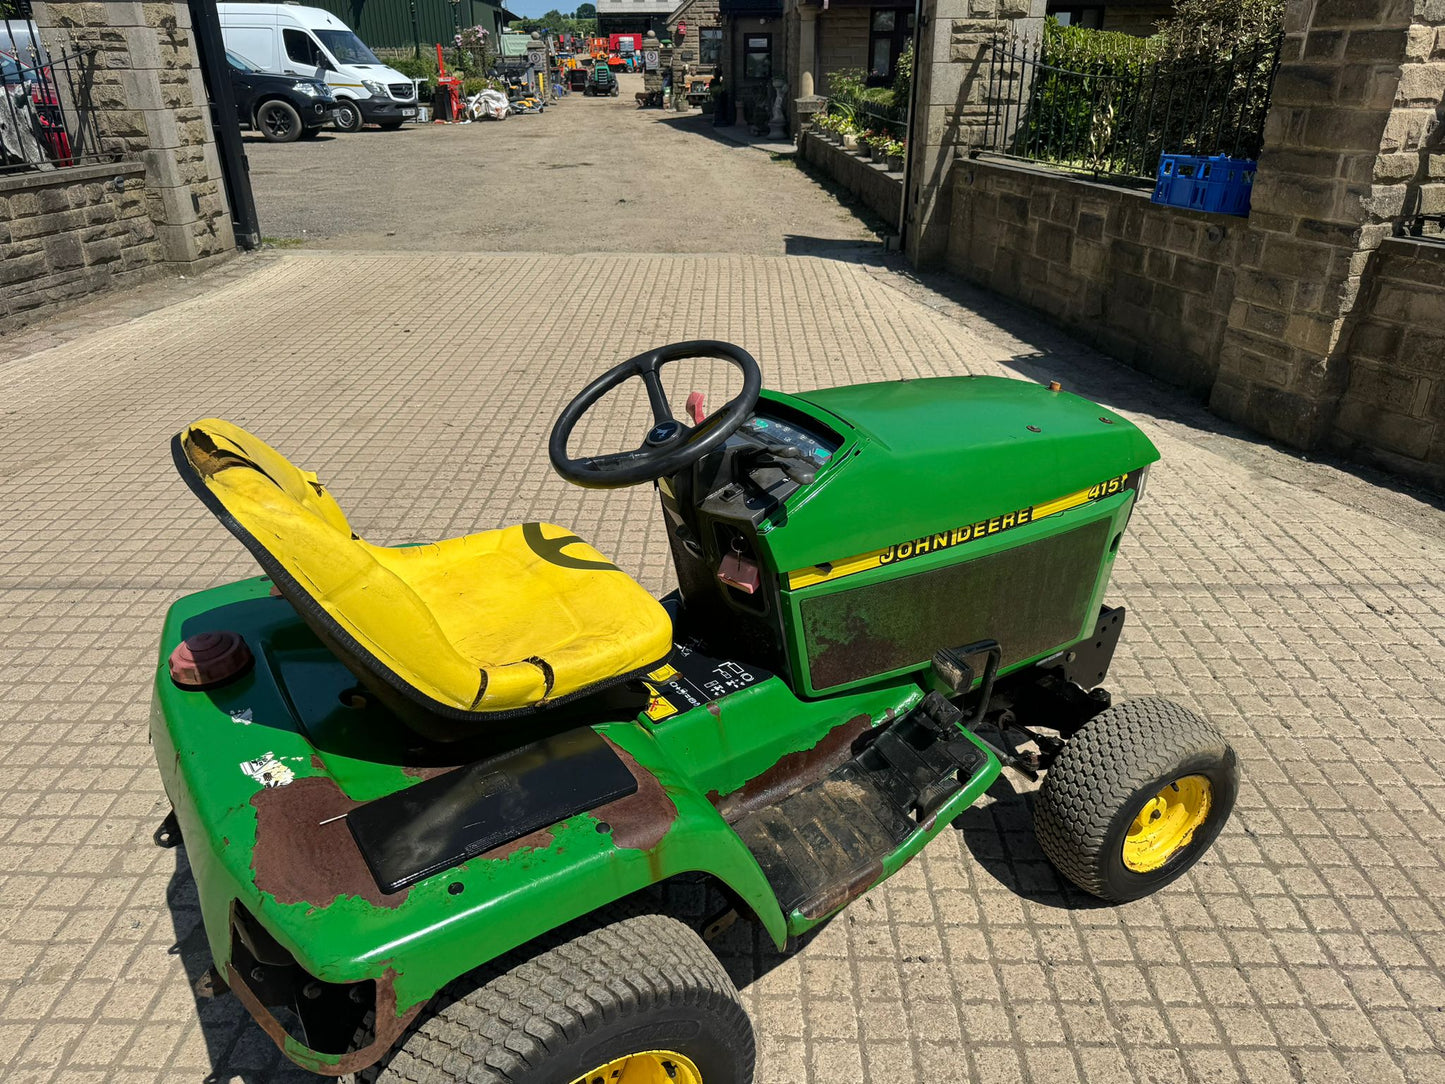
1114 118
46 118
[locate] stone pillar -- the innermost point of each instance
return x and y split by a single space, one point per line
1345 135
952 73
651 77
150 104
807 50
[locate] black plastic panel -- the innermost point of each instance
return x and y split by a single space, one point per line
442 822
1030 599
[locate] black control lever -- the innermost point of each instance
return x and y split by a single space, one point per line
791 461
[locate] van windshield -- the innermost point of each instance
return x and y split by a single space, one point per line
346 47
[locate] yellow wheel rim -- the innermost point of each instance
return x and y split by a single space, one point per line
647 1067
1167 823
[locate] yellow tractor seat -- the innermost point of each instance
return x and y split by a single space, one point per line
489 625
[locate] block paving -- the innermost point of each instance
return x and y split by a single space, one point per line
1298 607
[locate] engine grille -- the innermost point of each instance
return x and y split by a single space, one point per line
402 91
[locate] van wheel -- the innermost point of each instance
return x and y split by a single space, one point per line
279 122
390 125
347 117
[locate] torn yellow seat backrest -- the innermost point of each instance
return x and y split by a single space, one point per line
494 621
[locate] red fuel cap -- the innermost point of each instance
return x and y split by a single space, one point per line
209 659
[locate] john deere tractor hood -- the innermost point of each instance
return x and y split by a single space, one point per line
942 454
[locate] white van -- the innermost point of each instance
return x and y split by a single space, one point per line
288 39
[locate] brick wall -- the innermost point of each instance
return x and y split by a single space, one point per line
879 190
66 233
1392 412
1151 285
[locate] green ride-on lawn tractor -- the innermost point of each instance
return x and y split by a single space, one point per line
428 792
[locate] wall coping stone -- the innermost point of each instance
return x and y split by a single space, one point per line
1103 187
1413 248
68 175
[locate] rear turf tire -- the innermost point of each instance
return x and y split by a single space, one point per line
576 1001
1106 777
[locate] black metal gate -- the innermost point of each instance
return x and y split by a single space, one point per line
215 70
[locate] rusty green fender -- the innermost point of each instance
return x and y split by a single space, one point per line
284 852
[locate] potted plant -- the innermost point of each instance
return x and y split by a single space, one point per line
893 155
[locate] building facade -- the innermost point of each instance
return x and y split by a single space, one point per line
633 16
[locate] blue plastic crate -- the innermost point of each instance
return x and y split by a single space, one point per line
1218 183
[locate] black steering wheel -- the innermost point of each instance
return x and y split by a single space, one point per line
669 445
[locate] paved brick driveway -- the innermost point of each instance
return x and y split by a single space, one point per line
1299 608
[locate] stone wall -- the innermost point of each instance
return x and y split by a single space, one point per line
1348 145
1138 17
952 74
66 233
842 42
1392 412
1151 285
878 190
150 104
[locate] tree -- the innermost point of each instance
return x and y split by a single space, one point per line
585 11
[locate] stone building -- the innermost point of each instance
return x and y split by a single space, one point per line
146 191
695 28
633 16
1137 17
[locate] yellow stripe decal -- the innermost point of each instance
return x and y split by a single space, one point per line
957 536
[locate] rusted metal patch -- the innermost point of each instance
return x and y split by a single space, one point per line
792 772
640 820
539 840
298 859
389 1028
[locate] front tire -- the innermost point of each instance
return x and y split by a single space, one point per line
390 125
1135 798
641 994
347 116
278 122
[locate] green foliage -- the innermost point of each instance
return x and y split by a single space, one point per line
1213 28
585 11
1111 103
476 84
862 105
422 67
903 77
1077 47
557 23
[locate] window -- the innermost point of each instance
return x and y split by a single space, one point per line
758 56
709 45
346 47
1089 15
890 30
301 47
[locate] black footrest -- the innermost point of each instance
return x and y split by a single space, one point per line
823 845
